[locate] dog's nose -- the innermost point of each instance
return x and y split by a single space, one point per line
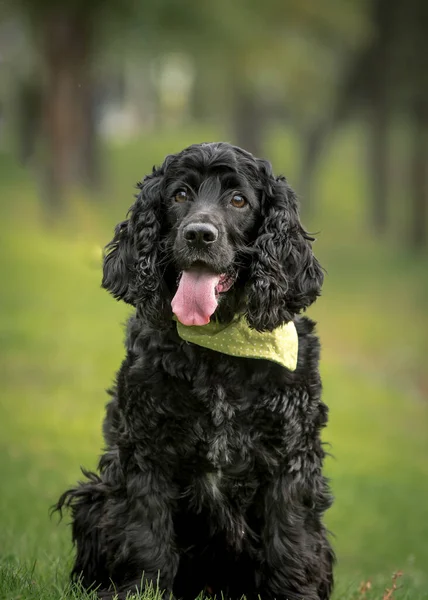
200 234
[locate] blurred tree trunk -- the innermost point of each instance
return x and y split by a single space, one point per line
378 82
248 118
378 156
88 171
419 174
29 117
417 44
312 144
369 82
200 94
67 103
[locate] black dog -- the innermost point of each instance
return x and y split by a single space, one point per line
211 478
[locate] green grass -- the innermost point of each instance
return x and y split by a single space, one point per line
61 342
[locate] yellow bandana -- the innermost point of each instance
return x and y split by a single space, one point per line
237 339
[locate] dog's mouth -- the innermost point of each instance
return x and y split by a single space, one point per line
197 295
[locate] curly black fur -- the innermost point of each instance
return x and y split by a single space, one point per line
212 474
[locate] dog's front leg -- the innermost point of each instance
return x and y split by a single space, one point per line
296 556
139 532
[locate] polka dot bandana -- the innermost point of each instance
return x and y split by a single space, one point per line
237 339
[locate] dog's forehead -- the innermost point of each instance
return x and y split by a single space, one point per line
205 157
213 159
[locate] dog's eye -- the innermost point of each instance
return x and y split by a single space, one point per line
238 201
180 196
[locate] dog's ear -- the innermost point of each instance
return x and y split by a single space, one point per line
131 269
119 264
285 277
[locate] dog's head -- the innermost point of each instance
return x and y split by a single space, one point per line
212 230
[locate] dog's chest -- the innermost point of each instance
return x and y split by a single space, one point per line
239 432
223 417
230 452
222 430
214 481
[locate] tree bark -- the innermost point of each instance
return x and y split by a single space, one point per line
67 104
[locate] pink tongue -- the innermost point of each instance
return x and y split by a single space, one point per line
195 301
